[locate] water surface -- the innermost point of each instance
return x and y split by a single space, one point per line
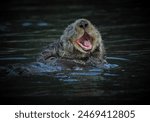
26 28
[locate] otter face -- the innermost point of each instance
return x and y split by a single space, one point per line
83 36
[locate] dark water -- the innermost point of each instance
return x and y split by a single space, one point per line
25 27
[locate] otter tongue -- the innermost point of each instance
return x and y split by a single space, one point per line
87 44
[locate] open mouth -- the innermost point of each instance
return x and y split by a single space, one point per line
85 42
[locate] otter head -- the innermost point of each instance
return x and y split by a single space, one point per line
82 36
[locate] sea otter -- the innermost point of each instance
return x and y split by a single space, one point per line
81 44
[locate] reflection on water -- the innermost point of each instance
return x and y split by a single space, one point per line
25 30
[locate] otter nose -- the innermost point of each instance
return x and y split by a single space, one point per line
83 24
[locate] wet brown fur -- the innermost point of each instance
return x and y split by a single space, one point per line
66 49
